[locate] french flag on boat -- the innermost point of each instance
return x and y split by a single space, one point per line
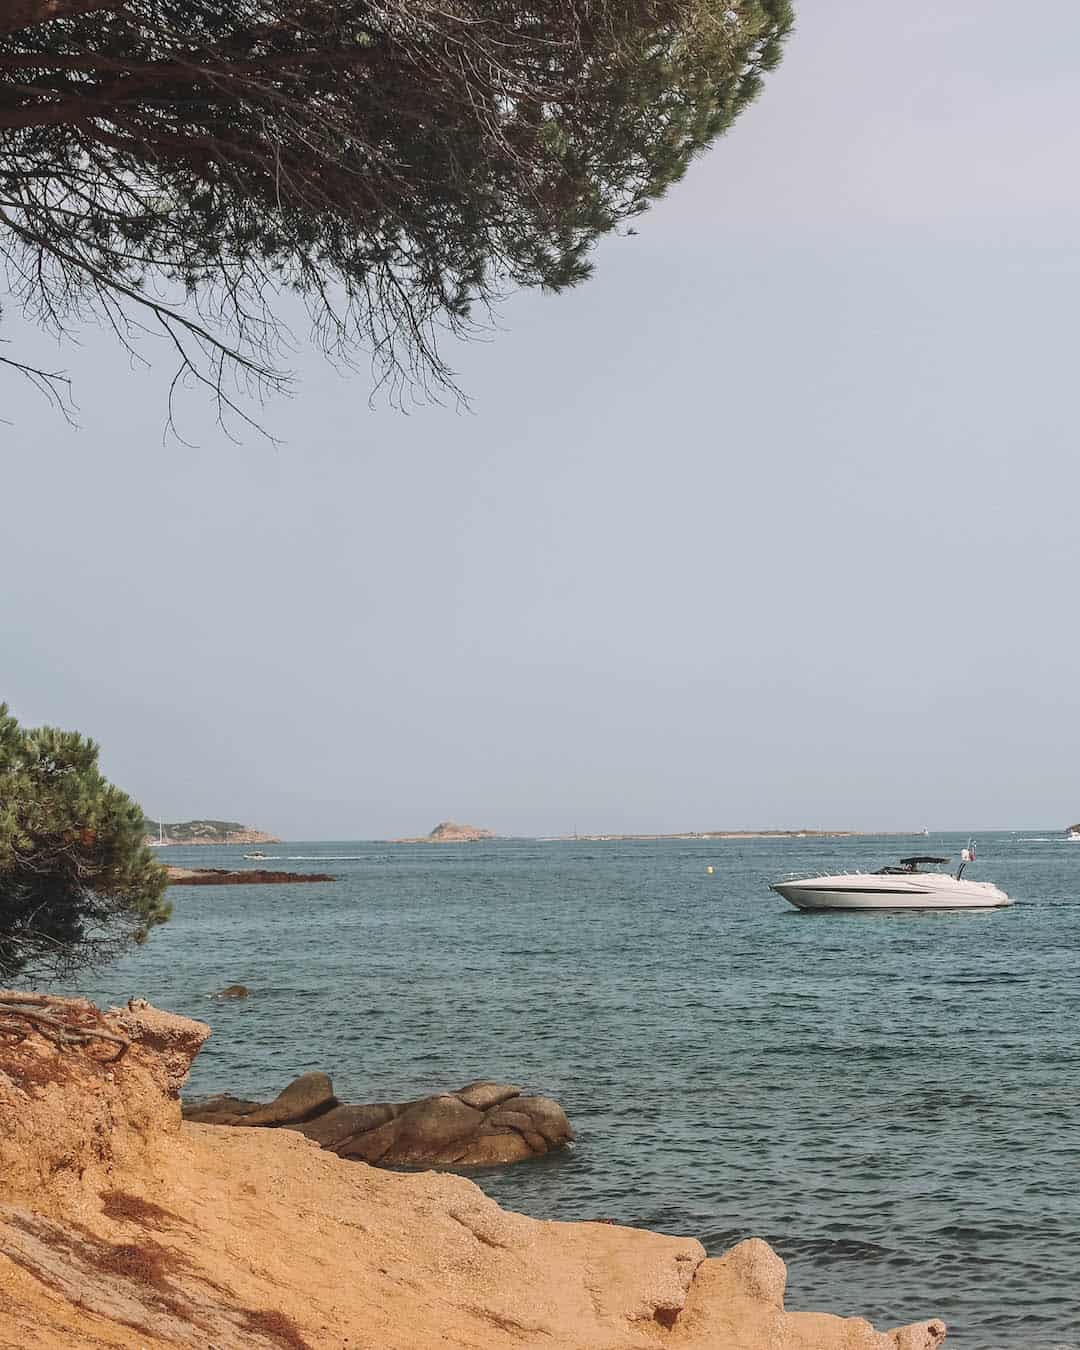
968 854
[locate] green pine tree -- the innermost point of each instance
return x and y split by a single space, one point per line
77 882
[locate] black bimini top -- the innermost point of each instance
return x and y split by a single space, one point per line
907 866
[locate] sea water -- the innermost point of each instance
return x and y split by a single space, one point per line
892 1101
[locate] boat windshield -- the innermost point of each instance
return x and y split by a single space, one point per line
909 865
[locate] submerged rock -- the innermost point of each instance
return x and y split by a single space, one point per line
485 1124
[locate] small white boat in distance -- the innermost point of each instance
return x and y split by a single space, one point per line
903 887
253 855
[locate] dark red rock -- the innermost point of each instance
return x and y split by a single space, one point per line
218 876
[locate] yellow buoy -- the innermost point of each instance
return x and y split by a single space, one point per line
709 871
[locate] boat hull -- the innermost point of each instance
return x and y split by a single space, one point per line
824 894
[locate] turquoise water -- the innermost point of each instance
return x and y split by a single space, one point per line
891 1100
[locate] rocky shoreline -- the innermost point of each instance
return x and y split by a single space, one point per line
123 1227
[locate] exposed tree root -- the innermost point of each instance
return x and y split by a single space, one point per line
62 1022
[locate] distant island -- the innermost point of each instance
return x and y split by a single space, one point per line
450 832
204 832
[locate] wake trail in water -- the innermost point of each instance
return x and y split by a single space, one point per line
313 857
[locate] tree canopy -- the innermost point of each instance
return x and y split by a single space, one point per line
77 882
179 165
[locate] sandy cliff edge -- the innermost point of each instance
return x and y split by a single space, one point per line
120 1227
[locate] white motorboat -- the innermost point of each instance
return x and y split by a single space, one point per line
905 887
254 855
1072 834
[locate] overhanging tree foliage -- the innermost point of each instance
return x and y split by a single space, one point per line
76 880
179 164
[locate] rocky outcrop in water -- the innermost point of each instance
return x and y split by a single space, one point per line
485 1124
121 1228
254 876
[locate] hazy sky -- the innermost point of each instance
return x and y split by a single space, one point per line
774 522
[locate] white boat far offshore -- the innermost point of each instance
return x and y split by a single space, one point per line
903 887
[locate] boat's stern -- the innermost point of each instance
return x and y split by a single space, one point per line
993 897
